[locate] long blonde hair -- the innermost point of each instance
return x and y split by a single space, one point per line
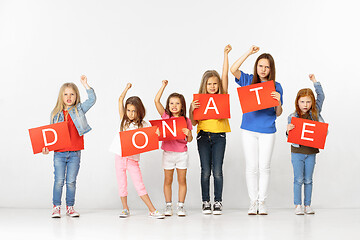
208 74
60 106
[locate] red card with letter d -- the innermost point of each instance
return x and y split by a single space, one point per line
212 106
54 136
138 141
308 133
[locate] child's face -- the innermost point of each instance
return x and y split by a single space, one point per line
212 85
263 69
175 106
69 97
305 104
131 112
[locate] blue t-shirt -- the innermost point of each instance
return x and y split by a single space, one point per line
262 121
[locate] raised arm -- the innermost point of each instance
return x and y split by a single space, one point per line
91 95
160 108
320 96
235 67
224 75
121 100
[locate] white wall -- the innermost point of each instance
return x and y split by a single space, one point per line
46 43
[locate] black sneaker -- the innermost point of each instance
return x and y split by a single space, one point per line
217 209
206 207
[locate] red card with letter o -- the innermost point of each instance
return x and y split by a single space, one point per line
138 141
170 129
54 136
212 106
257 96
308 133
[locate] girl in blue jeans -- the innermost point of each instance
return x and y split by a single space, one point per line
211 138
67 161
303 157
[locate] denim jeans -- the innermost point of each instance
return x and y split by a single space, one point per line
211 147
303 165
66 166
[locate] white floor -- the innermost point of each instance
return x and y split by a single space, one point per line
233 224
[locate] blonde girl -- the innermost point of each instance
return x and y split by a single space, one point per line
68 108
303 157
211 138
132 117
258 129
175 153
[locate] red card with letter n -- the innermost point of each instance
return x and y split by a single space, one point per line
170 129
212 106
54 136
257 96
308 133
138 141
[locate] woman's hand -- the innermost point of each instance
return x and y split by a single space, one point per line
253 49
276 96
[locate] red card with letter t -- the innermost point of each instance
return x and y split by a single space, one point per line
54 136
138 141
170 129
212 106
257 96
308 133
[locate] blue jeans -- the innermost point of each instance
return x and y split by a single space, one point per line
211 147
303 165
66 166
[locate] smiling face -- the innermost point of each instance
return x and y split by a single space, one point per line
212 85
305 104
175 106
69 97
131 112
263 69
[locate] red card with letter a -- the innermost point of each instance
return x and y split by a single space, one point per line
54 136
138 141
212 106
170 129
308 133
257 96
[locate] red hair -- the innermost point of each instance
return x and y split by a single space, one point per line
307 92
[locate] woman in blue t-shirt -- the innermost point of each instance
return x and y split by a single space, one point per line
258 129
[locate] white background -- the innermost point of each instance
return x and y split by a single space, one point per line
46 43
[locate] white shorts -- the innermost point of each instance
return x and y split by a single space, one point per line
173 160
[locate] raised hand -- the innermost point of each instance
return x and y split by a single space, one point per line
254 49
312 78
83 80
165 83
227 49
128 86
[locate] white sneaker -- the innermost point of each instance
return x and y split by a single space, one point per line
124 213
299 210
253 208
181 212
309 210
168 209
262 208
156 214
56 212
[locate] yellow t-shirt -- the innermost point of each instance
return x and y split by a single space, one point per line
214 125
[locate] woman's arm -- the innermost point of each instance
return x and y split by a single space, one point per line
160 108
278 108
121 100
235 67
224 75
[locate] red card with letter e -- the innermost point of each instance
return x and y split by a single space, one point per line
308 133
257 96
212 106
54 136
138 141
170 129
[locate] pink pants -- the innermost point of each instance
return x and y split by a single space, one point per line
122 164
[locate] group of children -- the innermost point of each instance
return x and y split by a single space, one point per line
258 135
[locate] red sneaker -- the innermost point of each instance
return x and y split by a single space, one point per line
70 211
56 212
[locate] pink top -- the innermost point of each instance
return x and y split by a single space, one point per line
178 145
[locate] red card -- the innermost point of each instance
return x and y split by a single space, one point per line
212 106
138 141
257 96
170 129
308 133
54 136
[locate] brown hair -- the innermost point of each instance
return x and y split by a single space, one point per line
182 101
208 74
140 113
60 105
307 92
271 76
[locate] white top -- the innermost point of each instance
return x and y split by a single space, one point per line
115 146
